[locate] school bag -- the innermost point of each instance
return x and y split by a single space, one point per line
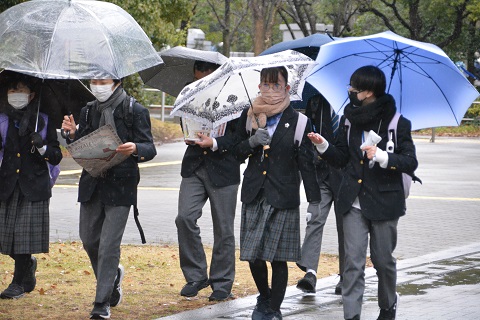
407 178
53 170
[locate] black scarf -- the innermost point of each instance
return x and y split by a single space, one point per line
373 115
26 118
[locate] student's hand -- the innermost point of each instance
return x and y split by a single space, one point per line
36 139
315 138
261 137
127 148
370 151
69 125
205 141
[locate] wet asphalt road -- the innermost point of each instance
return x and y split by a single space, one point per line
439 213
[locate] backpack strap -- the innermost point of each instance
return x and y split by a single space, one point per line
3 133
300 129
128 115
392 126
128 120
53 170
348 125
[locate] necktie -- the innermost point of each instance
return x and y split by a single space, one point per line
335 123
273 119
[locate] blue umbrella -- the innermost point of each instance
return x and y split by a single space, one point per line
428 88
309 46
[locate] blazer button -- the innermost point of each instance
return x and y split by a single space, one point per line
264 173
18 155
205 152
393 168
18 170
359 180
142 158
361 161
266 155
249 155
46 159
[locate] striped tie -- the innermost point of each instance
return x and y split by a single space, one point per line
335 123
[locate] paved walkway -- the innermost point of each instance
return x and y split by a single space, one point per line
438 246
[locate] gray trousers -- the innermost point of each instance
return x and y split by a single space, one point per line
194 192
312 243
101 231
383 240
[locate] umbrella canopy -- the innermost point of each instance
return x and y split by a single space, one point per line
428 88
79 39
222 95
177 68
57 97
309 46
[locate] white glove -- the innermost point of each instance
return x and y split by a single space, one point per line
313 209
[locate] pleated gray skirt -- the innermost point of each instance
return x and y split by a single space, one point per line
24 225
269 234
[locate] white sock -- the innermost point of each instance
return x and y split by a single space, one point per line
312 271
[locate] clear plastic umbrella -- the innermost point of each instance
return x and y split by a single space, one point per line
80 39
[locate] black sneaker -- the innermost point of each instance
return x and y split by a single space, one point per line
117 293
101 310
30 281
191 288
308 283
14 291
272 315
338 287
218 295
389 314
261 307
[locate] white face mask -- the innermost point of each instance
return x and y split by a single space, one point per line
102 92
18 100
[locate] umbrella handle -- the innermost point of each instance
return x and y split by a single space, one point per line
64 134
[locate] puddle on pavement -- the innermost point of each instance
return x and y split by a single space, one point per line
463 277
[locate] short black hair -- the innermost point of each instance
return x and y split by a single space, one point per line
370 78
12 79
271 74
203 66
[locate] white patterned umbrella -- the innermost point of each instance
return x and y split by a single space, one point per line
226 92
73 39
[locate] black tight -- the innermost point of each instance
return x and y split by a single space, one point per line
22 263
279 280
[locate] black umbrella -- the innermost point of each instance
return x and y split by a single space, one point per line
177 68
57 97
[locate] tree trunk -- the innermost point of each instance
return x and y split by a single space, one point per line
259 32
226 30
